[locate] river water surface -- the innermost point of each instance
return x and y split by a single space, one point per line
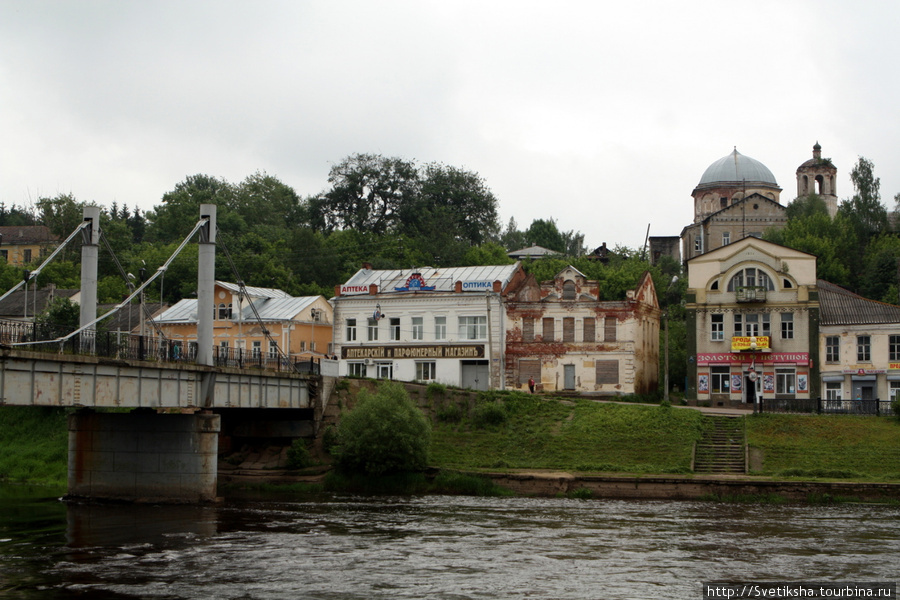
451 547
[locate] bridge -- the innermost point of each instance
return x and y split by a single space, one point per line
166 448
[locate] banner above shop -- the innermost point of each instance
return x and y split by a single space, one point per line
741 344
761 358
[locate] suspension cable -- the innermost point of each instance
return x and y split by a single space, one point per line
37 271
137 291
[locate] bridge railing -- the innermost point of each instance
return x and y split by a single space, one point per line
40 337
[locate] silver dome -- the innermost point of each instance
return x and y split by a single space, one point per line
737 168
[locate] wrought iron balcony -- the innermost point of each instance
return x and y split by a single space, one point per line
751 293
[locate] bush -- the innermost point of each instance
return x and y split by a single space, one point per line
895 406
450 413
298 455
385 433
489 414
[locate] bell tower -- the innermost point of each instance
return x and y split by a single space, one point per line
817 176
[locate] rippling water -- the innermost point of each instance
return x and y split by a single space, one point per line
434 547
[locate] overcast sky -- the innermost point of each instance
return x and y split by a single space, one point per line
601 115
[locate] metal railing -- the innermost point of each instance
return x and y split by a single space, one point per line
751 293
875 407
42 337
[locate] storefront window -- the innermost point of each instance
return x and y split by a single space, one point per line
785 381
720 380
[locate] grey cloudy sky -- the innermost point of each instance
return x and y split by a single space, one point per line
601 115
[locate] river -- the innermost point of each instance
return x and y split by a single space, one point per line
446 547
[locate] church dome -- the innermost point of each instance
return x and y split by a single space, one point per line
736 168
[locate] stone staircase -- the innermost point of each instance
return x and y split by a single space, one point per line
722 449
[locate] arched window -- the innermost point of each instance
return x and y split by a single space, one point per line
223 311
750 277
569 290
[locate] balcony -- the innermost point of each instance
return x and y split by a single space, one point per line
751 293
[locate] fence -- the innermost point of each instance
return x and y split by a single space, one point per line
40 337
819 406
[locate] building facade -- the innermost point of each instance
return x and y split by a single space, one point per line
299 328
428 324
22 245
566 337
859 346
753 324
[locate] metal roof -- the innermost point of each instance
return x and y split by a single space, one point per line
442 279
269 309
253 292
737 168
838 306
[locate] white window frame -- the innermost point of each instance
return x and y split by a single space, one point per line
834 390
473 327
864 348
440 328
356 369
351 330
717 327
832 348
418 328
394 326
426 370
787 326
372 330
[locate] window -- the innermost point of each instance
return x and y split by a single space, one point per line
717 328
750 277
356 369
590 329
698 243
527 329
351 330
472 328
418 329
752 324
549 329
223 312
894 347
609 329
395 330
893 390
5 254
569 290
425 370
832 349
607 372
27 254
720 380
784 381
529 368
273 349
787 326
372 330
440 328
257 349
223 344
302 346
569 329
726 238
863 348
833 390
723 202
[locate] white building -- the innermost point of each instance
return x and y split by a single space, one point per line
428 324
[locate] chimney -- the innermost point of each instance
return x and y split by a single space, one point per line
367 266
373 289
458 287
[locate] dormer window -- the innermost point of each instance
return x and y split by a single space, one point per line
750 277
568 290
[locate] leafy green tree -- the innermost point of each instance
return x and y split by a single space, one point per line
385 433
816 233
15 215
367 193
180 209
262 199
486 255
544 233
61 214
806 206
62 314
881 263
865 215
512 239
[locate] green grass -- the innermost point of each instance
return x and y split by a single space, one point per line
574 435
34 443
827 446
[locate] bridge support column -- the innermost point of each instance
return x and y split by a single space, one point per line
143 456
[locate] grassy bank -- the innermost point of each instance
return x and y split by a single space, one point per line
33 445
827 446
520 431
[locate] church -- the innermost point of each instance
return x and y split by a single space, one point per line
738 196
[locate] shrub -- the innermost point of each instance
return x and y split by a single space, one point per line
450 413
895 406
435 389
385 433
298 455
489 414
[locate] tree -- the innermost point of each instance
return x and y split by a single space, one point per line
367 193
806 206
176 216
512 239
545 234
865 215
385 433
61 214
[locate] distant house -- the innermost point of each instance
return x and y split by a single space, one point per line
20 245
534 252
859 345
300 327
22 305
565 336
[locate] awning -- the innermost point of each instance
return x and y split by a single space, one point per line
834 378
864 377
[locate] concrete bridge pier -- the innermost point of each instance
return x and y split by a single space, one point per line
143 456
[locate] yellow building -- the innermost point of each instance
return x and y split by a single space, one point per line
21 245
299 329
